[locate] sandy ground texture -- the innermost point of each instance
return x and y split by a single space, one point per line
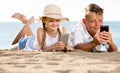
59 62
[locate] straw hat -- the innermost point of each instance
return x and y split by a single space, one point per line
53 11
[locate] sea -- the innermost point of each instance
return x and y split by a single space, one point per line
9 30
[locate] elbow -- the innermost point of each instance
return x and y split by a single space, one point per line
113 50
81 47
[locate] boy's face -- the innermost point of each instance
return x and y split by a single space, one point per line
93 22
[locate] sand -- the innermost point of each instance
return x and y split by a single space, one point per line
59 62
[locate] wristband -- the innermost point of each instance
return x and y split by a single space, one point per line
40 49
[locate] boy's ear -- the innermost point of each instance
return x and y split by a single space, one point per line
84 21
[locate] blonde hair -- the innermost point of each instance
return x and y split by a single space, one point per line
93 8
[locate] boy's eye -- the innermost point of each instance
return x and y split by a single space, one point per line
91 21
100 20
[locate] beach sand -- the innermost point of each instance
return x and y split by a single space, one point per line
59 62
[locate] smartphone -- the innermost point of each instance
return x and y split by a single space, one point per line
64 38
104 28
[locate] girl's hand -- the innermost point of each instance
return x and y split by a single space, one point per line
60 45
69 48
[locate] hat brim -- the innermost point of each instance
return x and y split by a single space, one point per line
54 17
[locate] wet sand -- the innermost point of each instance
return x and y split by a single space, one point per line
59 62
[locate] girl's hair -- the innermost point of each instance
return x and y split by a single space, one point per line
44 35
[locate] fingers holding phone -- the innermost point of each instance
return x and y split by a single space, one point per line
104 35
60 45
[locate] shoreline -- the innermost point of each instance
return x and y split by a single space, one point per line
59 62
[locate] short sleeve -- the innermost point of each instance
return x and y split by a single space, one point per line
76 35
76 38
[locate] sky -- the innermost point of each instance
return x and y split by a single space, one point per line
73 9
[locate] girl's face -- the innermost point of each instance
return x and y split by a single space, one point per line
52 24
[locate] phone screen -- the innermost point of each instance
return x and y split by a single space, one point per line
104 28
65 38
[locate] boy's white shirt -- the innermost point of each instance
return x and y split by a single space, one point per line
80 34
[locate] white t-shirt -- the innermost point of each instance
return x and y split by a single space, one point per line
80 34
49 40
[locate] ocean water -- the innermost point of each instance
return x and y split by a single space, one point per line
9 30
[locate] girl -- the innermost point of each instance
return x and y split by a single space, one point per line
49 36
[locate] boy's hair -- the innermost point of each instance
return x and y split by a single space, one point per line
93 8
